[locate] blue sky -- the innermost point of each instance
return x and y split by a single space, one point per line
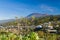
11 8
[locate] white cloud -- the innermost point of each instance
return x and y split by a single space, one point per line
47 8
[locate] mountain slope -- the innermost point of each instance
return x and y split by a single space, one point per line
36 15
29 16
4 21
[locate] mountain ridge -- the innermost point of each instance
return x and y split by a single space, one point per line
29 16
37 15
7 20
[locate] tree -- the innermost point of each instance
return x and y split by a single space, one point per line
32 20
18 24
55 18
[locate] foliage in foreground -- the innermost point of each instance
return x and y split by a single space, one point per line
30 36
11 36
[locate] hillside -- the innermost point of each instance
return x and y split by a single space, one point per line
5 21
41 17
37 15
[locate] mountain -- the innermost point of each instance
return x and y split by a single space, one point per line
29 16
4 21
37 15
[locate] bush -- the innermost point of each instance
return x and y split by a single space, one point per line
12 36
